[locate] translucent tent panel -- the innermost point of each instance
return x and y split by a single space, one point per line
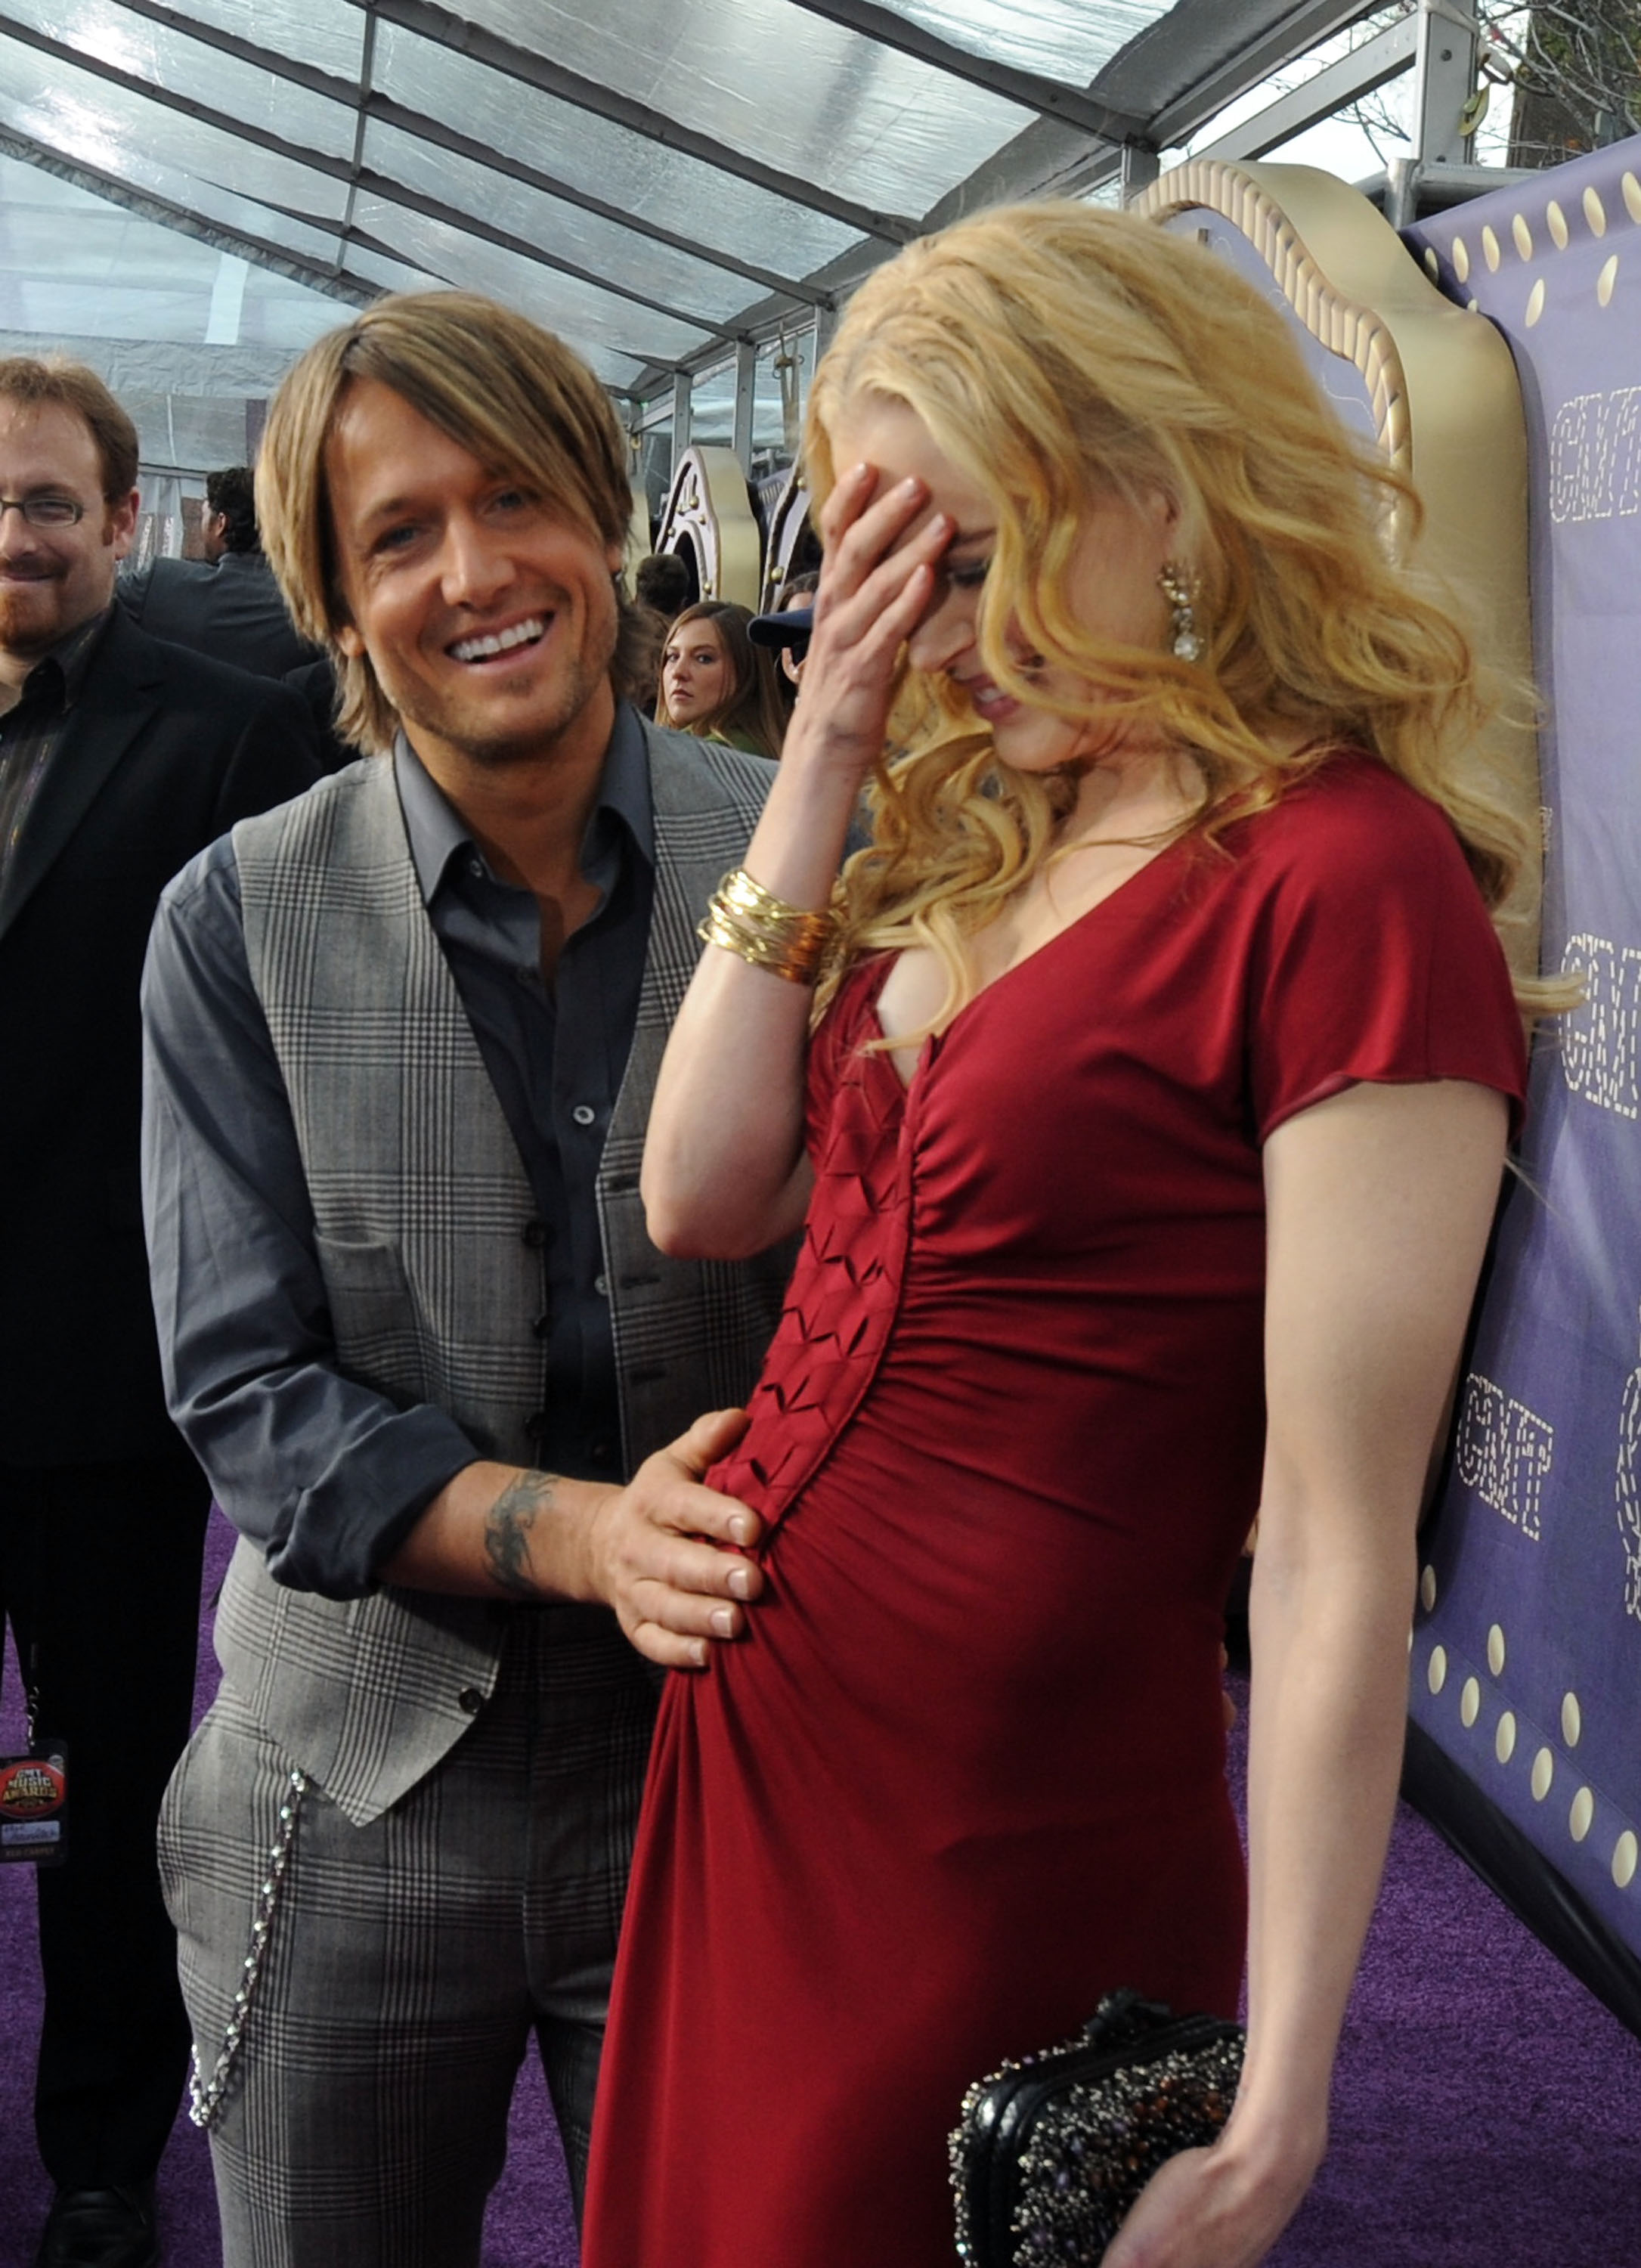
171 60
327 34
689 285
712 408
600 324
36 307
84 116
74 266
773 441
831 113
193 340
391 275
643 178
792 89
242 216
653 469
1063 40
190 434
620 373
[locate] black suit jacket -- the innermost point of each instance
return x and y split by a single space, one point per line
231 611
161 753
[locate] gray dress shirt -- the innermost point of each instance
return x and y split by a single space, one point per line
327 1476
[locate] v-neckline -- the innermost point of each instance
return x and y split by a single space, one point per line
934 1042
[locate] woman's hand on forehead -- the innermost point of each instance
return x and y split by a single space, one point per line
882 550
878 537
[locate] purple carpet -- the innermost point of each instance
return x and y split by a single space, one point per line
1488 2111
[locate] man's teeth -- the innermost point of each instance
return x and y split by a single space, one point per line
480 649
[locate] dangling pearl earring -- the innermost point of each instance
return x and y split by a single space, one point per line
1177 587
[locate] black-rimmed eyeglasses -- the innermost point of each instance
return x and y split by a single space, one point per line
45 511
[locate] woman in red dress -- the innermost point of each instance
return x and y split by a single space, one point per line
1147 1142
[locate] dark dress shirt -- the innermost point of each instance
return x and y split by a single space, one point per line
32 728
325 1474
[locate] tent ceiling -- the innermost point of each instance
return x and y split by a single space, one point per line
655 182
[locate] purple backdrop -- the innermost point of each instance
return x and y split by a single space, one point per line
1527 1654
1526 1668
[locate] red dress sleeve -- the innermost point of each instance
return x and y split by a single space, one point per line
1374 957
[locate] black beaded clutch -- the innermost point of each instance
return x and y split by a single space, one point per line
1050 2152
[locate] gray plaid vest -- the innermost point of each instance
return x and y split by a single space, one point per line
422 1217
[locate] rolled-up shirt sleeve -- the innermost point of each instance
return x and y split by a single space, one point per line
326 1475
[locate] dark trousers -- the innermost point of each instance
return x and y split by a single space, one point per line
99 1578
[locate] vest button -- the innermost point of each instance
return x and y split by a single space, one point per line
535 1233
542 1324
470 1700
584 1114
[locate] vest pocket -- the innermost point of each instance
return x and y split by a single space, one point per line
372 1310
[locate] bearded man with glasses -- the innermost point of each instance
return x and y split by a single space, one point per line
120 758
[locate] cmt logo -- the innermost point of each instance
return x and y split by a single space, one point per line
1598 1038
1504 1452
1595 456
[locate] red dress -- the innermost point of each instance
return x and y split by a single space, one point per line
965 1772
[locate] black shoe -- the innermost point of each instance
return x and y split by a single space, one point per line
100 2228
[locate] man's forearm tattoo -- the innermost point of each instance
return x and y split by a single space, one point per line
507 1527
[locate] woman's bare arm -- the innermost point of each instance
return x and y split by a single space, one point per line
723 1170
1381 1201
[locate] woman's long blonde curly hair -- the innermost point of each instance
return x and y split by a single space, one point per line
1061 353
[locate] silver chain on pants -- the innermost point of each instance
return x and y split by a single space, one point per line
206 2096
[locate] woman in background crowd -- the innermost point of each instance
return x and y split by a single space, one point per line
717 685
1148 1139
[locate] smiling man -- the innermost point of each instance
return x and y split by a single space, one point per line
402 1038
120 758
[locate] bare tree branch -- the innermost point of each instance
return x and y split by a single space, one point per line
1573 67
1576 70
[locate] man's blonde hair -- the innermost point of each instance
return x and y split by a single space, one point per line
506 391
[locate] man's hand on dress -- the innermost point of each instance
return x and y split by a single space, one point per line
663 1551
656 1550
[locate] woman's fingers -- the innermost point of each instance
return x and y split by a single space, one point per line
882 534
880 584
870 622
861 531
851 496
882 554
895 604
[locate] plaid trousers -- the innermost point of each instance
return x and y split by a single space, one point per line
364 2120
